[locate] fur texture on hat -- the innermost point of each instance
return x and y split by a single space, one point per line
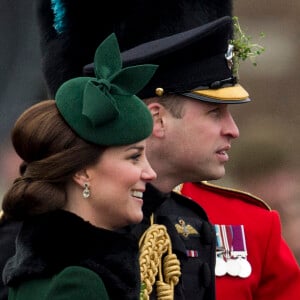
71 30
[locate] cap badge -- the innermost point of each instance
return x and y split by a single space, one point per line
229 56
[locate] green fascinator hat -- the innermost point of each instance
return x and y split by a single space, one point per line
104 109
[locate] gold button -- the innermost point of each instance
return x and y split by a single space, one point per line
159 91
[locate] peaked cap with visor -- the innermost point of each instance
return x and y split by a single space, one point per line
196 63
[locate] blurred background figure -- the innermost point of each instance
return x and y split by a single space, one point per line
264 160
263 167
21 80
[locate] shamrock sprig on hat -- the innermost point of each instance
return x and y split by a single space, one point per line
243 47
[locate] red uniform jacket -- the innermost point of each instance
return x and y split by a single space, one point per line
275 273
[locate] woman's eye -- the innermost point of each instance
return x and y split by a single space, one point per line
135 157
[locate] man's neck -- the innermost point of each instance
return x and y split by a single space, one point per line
164 186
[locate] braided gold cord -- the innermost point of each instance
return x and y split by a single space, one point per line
153 244
164 291
171 269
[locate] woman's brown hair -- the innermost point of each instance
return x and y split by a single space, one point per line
52 154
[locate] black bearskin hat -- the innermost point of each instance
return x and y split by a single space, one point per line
71 30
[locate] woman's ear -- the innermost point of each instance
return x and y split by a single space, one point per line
159 119
81 177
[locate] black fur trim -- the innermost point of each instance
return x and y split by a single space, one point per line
50 242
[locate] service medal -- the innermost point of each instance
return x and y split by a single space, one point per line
246 268
221 267
231 251
233 267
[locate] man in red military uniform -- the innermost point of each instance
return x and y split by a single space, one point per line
268 269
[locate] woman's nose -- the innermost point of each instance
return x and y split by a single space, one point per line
148 173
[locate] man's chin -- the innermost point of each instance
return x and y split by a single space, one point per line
216 175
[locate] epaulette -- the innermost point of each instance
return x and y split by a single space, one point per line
245 196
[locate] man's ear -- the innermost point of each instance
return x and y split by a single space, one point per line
159 119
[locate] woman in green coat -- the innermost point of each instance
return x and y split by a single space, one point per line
83 175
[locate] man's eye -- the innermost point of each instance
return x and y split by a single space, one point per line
215 111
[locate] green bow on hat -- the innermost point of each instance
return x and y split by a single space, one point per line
105 110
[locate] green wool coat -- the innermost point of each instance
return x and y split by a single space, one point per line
72 283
